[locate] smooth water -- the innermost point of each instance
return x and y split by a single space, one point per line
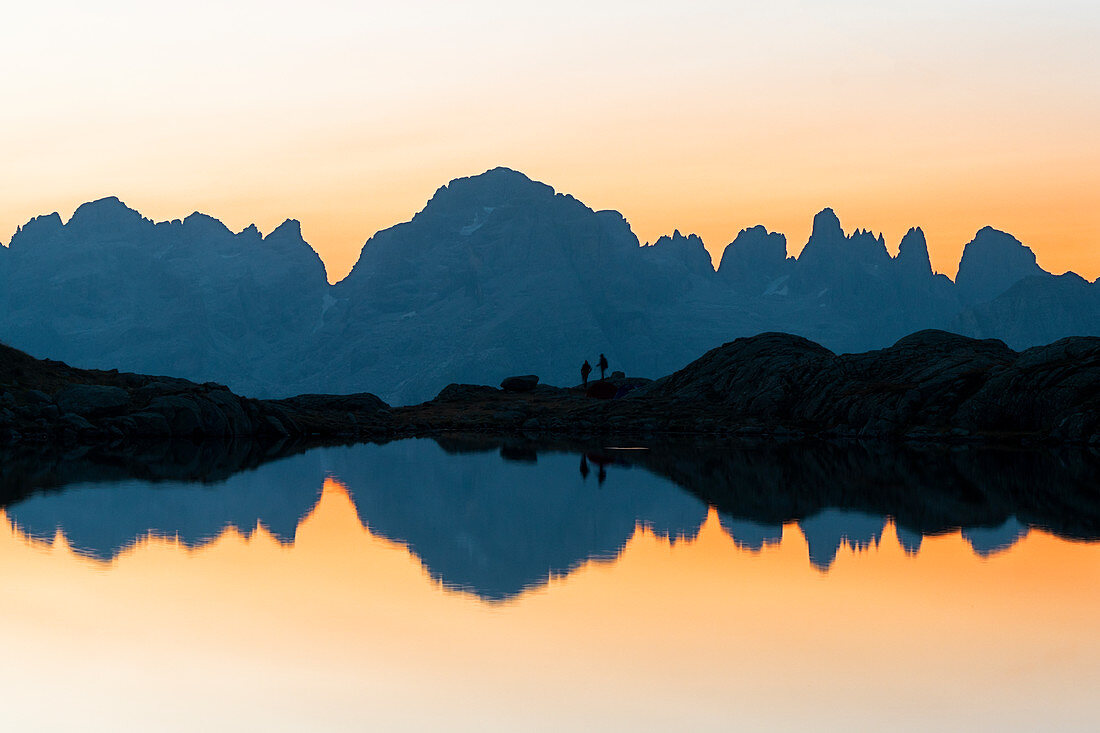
414 586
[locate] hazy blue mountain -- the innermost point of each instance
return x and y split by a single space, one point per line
497 275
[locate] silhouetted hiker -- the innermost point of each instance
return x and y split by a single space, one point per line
602 475
584 463
602 365
586 369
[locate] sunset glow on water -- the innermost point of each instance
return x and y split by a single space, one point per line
339 627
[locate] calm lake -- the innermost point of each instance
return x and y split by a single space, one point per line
425 585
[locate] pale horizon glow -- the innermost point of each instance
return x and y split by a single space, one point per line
707 117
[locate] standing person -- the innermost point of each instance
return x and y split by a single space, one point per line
602 365
586 369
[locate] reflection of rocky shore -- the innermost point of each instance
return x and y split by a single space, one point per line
28 469
496 517
927 490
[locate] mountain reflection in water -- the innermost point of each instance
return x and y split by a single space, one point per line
496 520
292 592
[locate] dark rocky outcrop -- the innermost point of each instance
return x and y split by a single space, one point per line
929 386
51 402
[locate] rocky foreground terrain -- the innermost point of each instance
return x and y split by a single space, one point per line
929 386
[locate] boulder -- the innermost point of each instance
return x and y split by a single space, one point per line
149 424
182 413
602 390
524 383
232 413
36 397
91 399
76 422
459 392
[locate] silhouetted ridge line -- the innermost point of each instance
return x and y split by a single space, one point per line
497 275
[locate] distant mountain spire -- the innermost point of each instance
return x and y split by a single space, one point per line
688 250
827 227
913 253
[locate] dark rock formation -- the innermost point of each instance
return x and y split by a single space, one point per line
525 383
931 382
601 390
929 386
50 402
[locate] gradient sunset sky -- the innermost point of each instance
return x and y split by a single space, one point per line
703 116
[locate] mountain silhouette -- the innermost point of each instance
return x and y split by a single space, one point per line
498 519
497 275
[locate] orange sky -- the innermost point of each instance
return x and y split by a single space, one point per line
704 116
343 629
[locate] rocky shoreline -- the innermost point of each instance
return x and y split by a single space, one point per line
931 386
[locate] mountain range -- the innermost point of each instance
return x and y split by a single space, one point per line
497 275
490 524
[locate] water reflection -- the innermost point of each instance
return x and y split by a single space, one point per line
496 520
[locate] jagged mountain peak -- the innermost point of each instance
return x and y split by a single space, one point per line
38 229
829 250
678 239
686 249
108 210
992 262
496 187
291 229
827 225
755 255
205 224
913 253
250 232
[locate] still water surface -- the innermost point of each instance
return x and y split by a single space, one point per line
408 587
